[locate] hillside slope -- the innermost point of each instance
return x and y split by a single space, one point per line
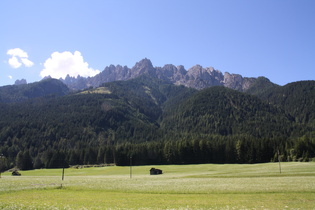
297 99
18 93
222 111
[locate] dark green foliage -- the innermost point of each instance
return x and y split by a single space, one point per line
261 86
216 149
224 112
297 99
18 93
24 160
3 163
159 123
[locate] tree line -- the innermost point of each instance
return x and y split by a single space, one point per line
214 149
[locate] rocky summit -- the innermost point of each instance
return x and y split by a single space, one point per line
196 77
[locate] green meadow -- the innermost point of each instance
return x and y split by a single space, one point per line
205 186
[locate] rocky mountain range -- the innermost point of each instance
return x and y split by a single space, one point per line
196 77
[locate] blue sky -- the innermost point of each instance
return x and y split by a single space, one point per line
271 38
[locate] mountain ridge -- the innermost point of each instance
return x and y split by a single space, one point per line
196 77
22 92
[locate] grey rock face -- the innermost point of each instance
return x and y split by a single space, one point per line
20 82
143 67
196 77
237 82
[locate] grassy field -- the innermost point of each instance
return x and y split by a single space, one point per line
208 186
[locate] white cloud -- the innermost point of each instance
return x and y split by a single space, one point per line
17 52
27 62
59 65
19 57
14 62
10 77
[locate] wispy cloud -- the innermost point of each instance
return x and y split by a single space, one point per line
18 58
10 77
59 65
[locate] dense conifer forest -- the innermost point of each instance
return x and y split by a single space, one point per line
155 122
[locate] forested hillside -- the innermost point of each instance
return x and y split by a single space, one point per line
222 111
156 122
18 93
297 99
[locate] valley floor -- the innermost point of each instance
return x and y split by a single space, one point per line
206 186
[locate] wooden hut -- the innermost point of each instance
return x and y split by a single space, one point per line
155 171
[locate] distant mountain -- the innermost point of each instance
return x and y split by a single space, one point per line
21 82
196 77
22 92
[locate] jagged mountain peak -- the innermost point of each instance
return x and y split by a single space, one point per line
143 67
181 68
195 67
20 82
196 77
198 70
144 63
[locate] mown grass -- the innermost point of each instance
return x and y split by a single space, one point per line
208 186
